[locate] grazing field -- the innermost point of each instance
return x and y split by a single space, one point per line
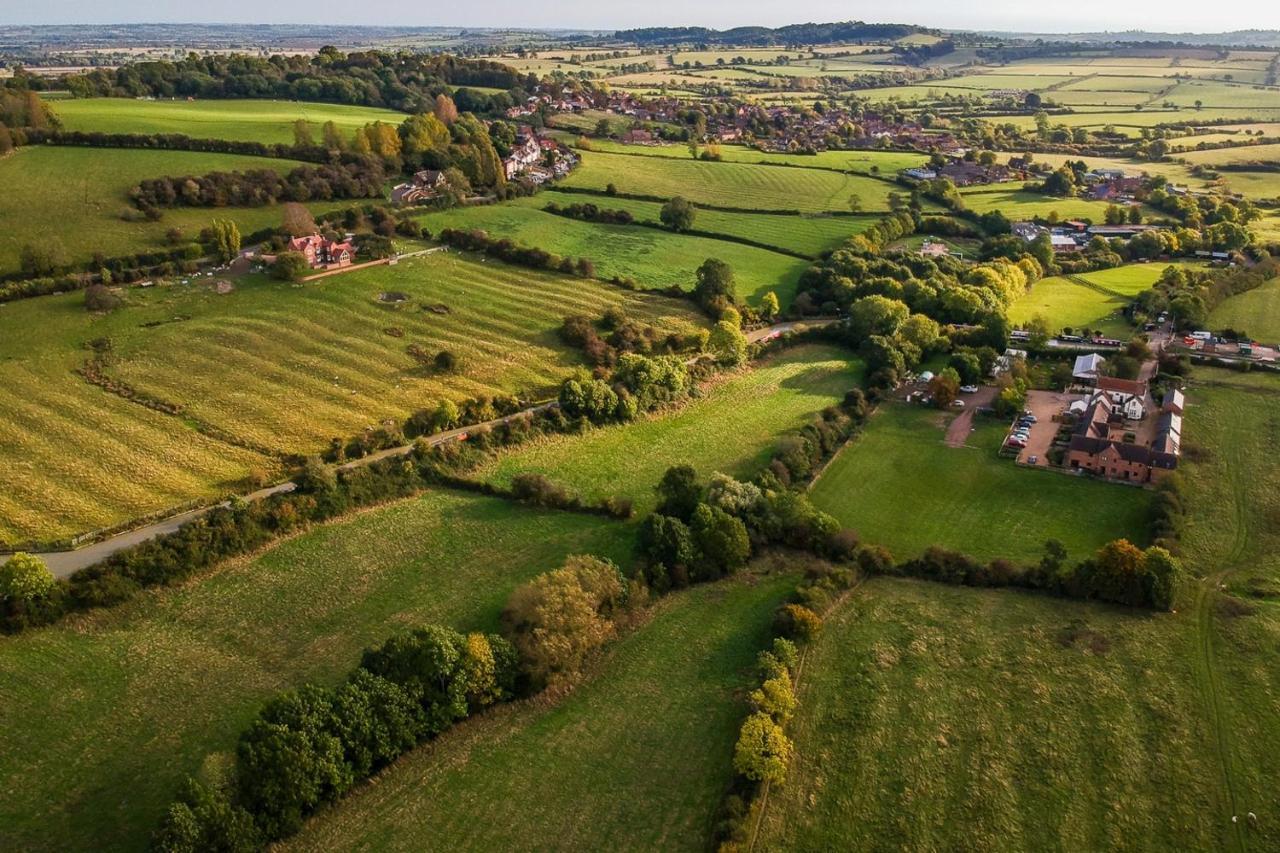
1017 203
1269 153
754 407
886 162
900 486
735 185
275 365
249 121
73 197
655 259
958 719
636 758
808 235
1093 300
106 714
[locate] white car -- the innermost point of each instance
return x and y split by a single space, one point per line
957 404
968 389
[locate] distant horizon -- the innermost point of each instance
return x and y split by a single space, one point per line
1009 16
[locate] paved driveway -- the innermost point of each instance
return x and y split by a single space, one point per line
1044 405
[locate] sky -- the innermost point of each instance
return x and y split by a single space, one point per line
1009 15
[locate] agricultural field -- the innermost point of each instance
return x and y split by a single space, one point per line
754 406
1093 300
1269 153
966 498
809 235
271 364
1017 203
636 758
863 162
1256 312
106 714
74 197
654 258
249 121
953 718
733 185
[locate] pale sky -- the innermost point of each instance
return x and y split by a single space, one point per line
1025 15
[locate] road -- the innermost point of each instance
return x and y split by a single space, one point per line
66 563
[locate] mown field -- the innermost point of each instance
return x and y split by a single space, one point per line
72 198
900 486
886 162
275 365
947 718
753 407
1069 301
636 758
248 120
1016 203
808 235
744 186
1256 313
105 715
655 259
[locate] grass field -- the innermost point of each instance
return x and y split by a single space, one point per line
105 714
1016 203
656 259
960 719
283 366
74 197
888 162
736 185
634 759
251 121
809 235
1066 302
754 407
900 486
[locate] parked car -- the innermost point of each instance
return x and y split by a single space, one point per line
1030 417
957 404
1033 459
1014 441
968 389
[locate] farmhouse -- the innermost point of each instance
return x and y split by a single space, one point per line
425 186
322 253
524 154
1103 445
1126 395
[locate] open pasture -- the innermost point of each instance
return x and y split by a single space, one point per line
1256 312
754 407
951 718
104 715
1266 153
886 162
899 485
1213 93
1017 203
248 121
635 758
73 198
656 259
735 185
274 365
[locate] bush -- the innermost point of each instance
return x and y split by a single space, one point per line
797 622
290 266
763 750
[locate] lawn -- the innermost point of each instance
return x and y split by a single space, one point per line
744 186
808 235
276 365
733 429
656 259
900 486
636 758
105 715
73 197
249 120
947 718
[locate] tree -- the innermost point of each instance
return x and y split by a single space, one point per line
855 203
728 343
945 387
679 492
666 541
876 315
775 697
296 219
290 266
422 133
1119 573
721 540
763 750
100 298
25 579
714 283
769 308
677 214
445 361
225 239
1163 577
603 128
43 258
302 134
445 109
203 819
332 136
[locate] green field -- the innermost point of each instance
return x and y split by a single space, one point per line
105 714
900 486
1068 301
887 162
1016 203
736 185
250 121
636 758
276 365
753 407
957 719
74 197
655 259
808 235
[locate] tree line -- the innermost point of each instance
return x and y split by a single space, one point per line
356 176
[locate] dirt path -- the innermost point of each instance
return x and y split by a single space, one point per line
960 427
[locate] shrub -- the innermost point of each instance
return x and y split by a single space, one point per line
290 266
775 697
763 750
797 622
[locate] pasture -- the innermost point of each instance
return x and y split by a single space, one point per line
952 718
635 758
885 162
106 714
1093 300
655 259
753 406
249 121
900 486
1017 203
73 197
734 185
271 364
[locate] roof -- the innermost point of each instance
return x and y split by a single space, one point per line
1173 398
1087 365
1136 387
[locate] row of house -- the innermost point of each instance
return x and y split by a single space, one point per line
1073 235
1106 439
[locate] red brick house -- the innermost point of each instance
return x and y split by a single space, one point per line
1098 446
322 253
